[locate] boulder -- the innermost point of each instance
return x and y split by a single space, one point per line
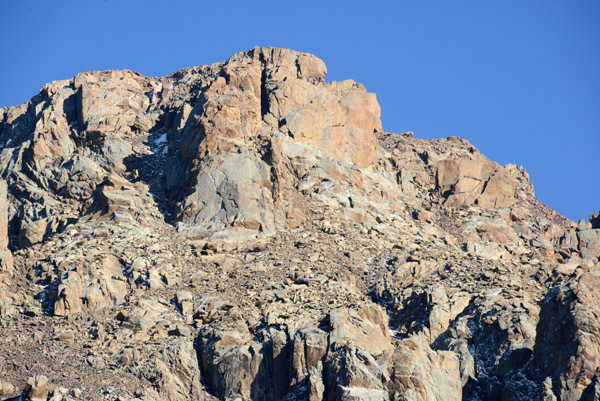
7 389
37 388
178 365
91 287
33 233
122 201
589 242
595 220
359 347
421 374
475 182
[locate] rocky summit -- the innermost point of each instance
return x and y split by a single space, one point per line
247 231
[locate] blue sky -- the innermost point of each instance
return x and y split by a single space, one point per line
519 79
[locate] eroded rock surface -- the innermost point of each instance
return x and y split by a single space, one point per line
247 231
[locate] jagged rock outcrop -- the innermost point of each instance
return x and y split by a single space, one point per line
567 351
180 371
480 182
418 373
227 129
234 139
247 231
344 354
6 258
92 286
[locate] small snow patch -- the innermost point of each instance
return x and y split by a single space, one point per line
161 139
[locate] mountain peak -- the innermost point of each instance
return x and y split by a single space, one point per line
247 230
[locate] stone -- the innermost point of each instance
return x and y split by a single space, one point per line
125 355
424 215
363 394
595 220
569 241
418 373
65 336
120 200
154 279
59 394
179 369
91 287
499 191
37 388
480 182
359 345
6 261
7 389
566 318
518 214
566 269
33 233
3 214
589 243
111 100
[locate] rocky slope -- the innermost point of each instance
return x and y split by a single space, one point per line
247 231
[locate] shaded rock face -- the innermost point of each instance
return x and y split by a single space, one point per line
59 147
246 231
346 356
568 351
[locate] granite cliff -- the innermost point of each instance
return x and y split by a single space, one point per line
247 231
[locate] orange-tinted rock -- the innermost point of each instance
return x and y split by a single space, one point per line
115 181
342 119
499 192
230 144
114 102
37 388
475 182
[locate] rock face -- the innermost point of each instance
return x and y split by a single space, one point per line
568 329
6 258
419 373
247 231
224 131
234 131
480 182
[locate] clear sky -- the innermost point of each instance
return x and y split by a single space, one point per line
519 79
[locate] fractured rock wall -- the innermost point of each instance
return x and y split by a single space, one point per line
245 230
